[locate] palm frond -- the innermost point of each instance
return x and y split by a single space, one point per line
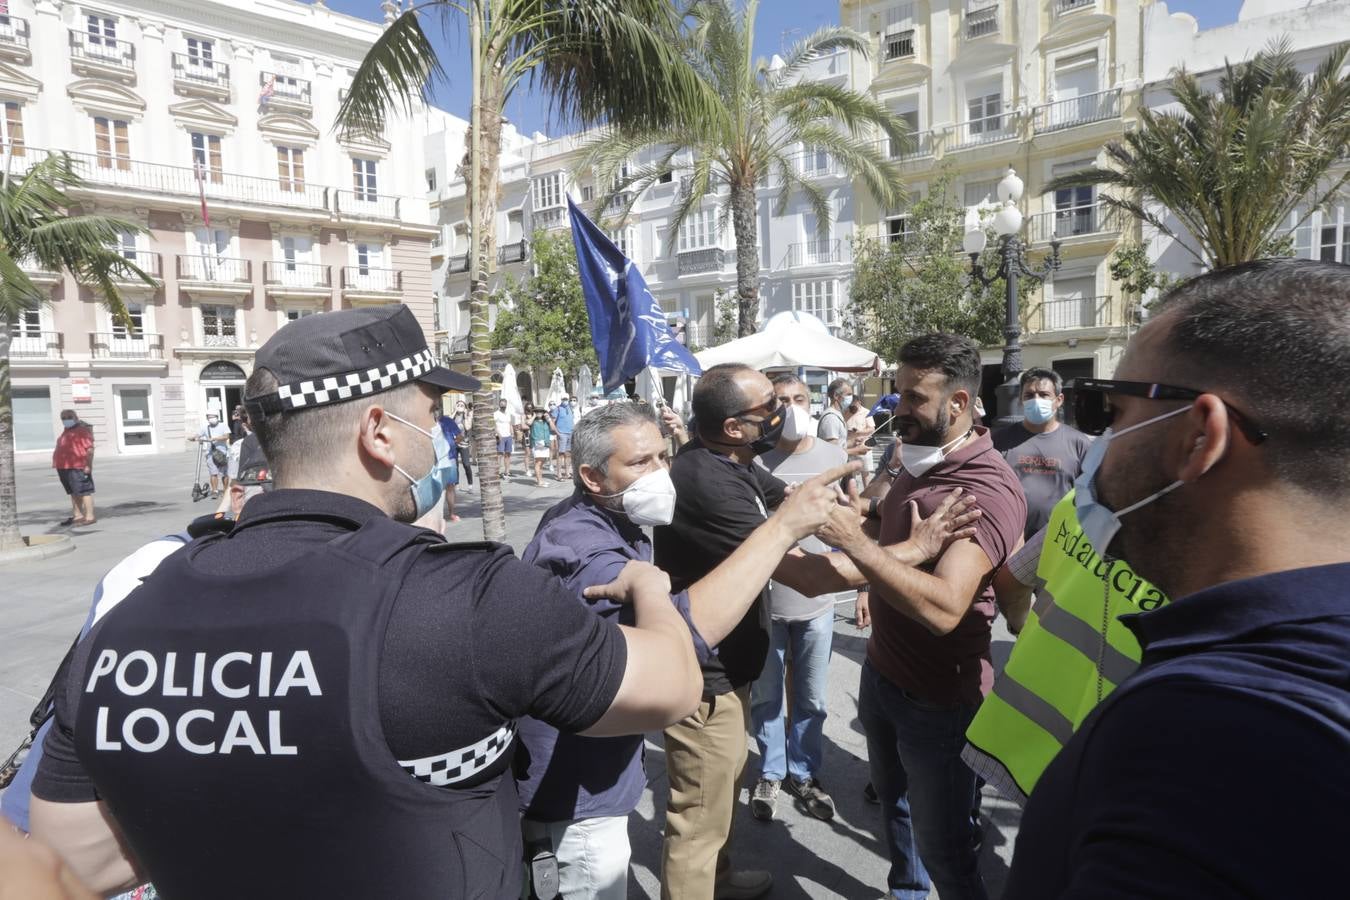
399 69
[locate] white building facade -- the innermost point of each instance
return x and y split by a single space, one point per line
210 125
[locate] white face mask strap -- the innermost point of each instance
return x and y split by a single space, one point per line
1150 498
398 418
1138 425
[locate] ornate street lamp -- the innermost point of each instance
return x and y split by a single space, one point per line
1012 264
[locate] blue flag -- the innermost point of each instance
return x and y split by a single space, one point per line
628 328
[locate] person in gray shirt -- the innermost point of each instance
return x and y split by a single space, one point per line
833 421
1046 454
802 626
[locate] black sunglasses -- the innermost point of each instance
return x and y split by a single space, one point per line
1094 412
772 405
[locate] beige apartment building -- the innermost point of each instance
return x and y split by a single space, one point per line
1039 85
210 125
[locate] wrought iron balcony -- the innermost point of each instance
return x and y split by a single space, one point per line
1062 7
1075 221
367 279
1078 110
94 54
211 269
126 345
1079 312
814 253
14 36
287 93
285 273
148 261
815 164
196 74
365 204
710 259
920 146
29 343
515 252
987 130
899 45
981 22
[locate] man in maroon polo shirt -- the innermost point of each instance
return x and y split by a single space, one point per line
928 665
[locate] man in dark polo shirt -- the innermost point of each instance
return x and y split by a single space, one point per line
928 665
1218 769
1046 454
576 792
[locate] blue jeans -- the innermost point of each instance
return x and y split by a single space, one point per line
926 791
799 751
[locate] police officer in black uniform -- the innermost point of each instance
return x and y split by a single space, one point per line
322 702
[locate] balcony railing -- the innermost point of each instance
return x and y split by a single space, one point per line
286 88
365 204
32 268
86 48
126 345
1068 6
1079 312
1078 110
515 252
988 130
148 261
814 253
815 164
25 343
101 170
1075 221
981 22
367 278
920 145
711 259
214 269
549 218
297 274
899 45
206 72
14 31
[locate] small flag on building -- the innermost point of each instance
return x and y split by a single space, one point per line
628 328
265 95
201 188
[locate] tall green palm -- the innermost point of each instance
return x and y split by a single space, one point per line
36 226
1233 164
611 60
766 115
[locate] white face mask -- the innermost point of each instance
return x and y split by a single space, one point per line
648 501
798 423
918 459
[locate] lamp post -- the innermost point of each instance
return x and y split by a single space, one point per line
1012 265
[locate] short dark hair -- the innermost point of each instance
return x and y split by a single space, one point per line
297 439
835 387
1243 329
593 442
717 397
783 378
955 356
1039 374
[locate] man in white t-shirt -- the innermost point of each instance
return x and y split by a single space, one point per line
505 422
833 425
215 437
791 741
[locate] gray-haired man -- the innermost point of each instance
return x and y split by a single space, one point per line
576 792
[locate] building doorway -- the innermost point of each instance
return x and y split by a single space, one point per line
222 389
134 419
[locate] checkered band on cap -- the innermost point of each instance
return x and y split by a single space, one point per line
333 388
463 764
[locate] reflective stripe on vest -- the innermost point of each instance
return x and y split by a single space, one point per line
1072 652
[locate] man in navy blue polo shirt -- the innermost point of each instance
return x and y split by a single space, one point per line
1219 768
576 792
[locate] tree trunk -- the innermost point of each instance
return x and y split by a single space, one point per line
743 220
10 539
481 199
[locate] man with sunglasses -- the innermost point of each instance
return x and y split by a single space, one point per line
1223 476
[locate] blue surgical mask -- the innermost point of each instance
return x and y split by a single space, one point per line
68 423
1038 410
428 490
1100 523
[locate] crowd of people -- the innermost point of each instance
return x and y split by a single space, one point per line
321 699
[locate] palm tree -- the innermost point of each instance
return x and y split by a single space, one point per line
764 117
1232 165
611 60
38 227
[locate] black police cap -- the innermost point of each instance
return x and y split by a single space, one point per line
347 354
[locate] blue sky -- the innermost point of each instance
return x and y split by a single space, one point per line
780 23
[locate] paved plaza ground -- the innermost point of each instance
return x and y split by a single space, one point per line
43 603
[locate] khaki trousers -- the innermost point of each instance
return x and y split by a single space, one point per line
705 758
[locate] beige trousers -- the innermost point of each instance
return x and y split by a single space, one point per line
705 758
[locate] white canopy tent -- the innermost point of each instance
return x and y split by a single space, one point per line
792 340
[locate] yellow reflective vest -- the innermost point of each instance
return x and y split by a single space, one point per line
1072 652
